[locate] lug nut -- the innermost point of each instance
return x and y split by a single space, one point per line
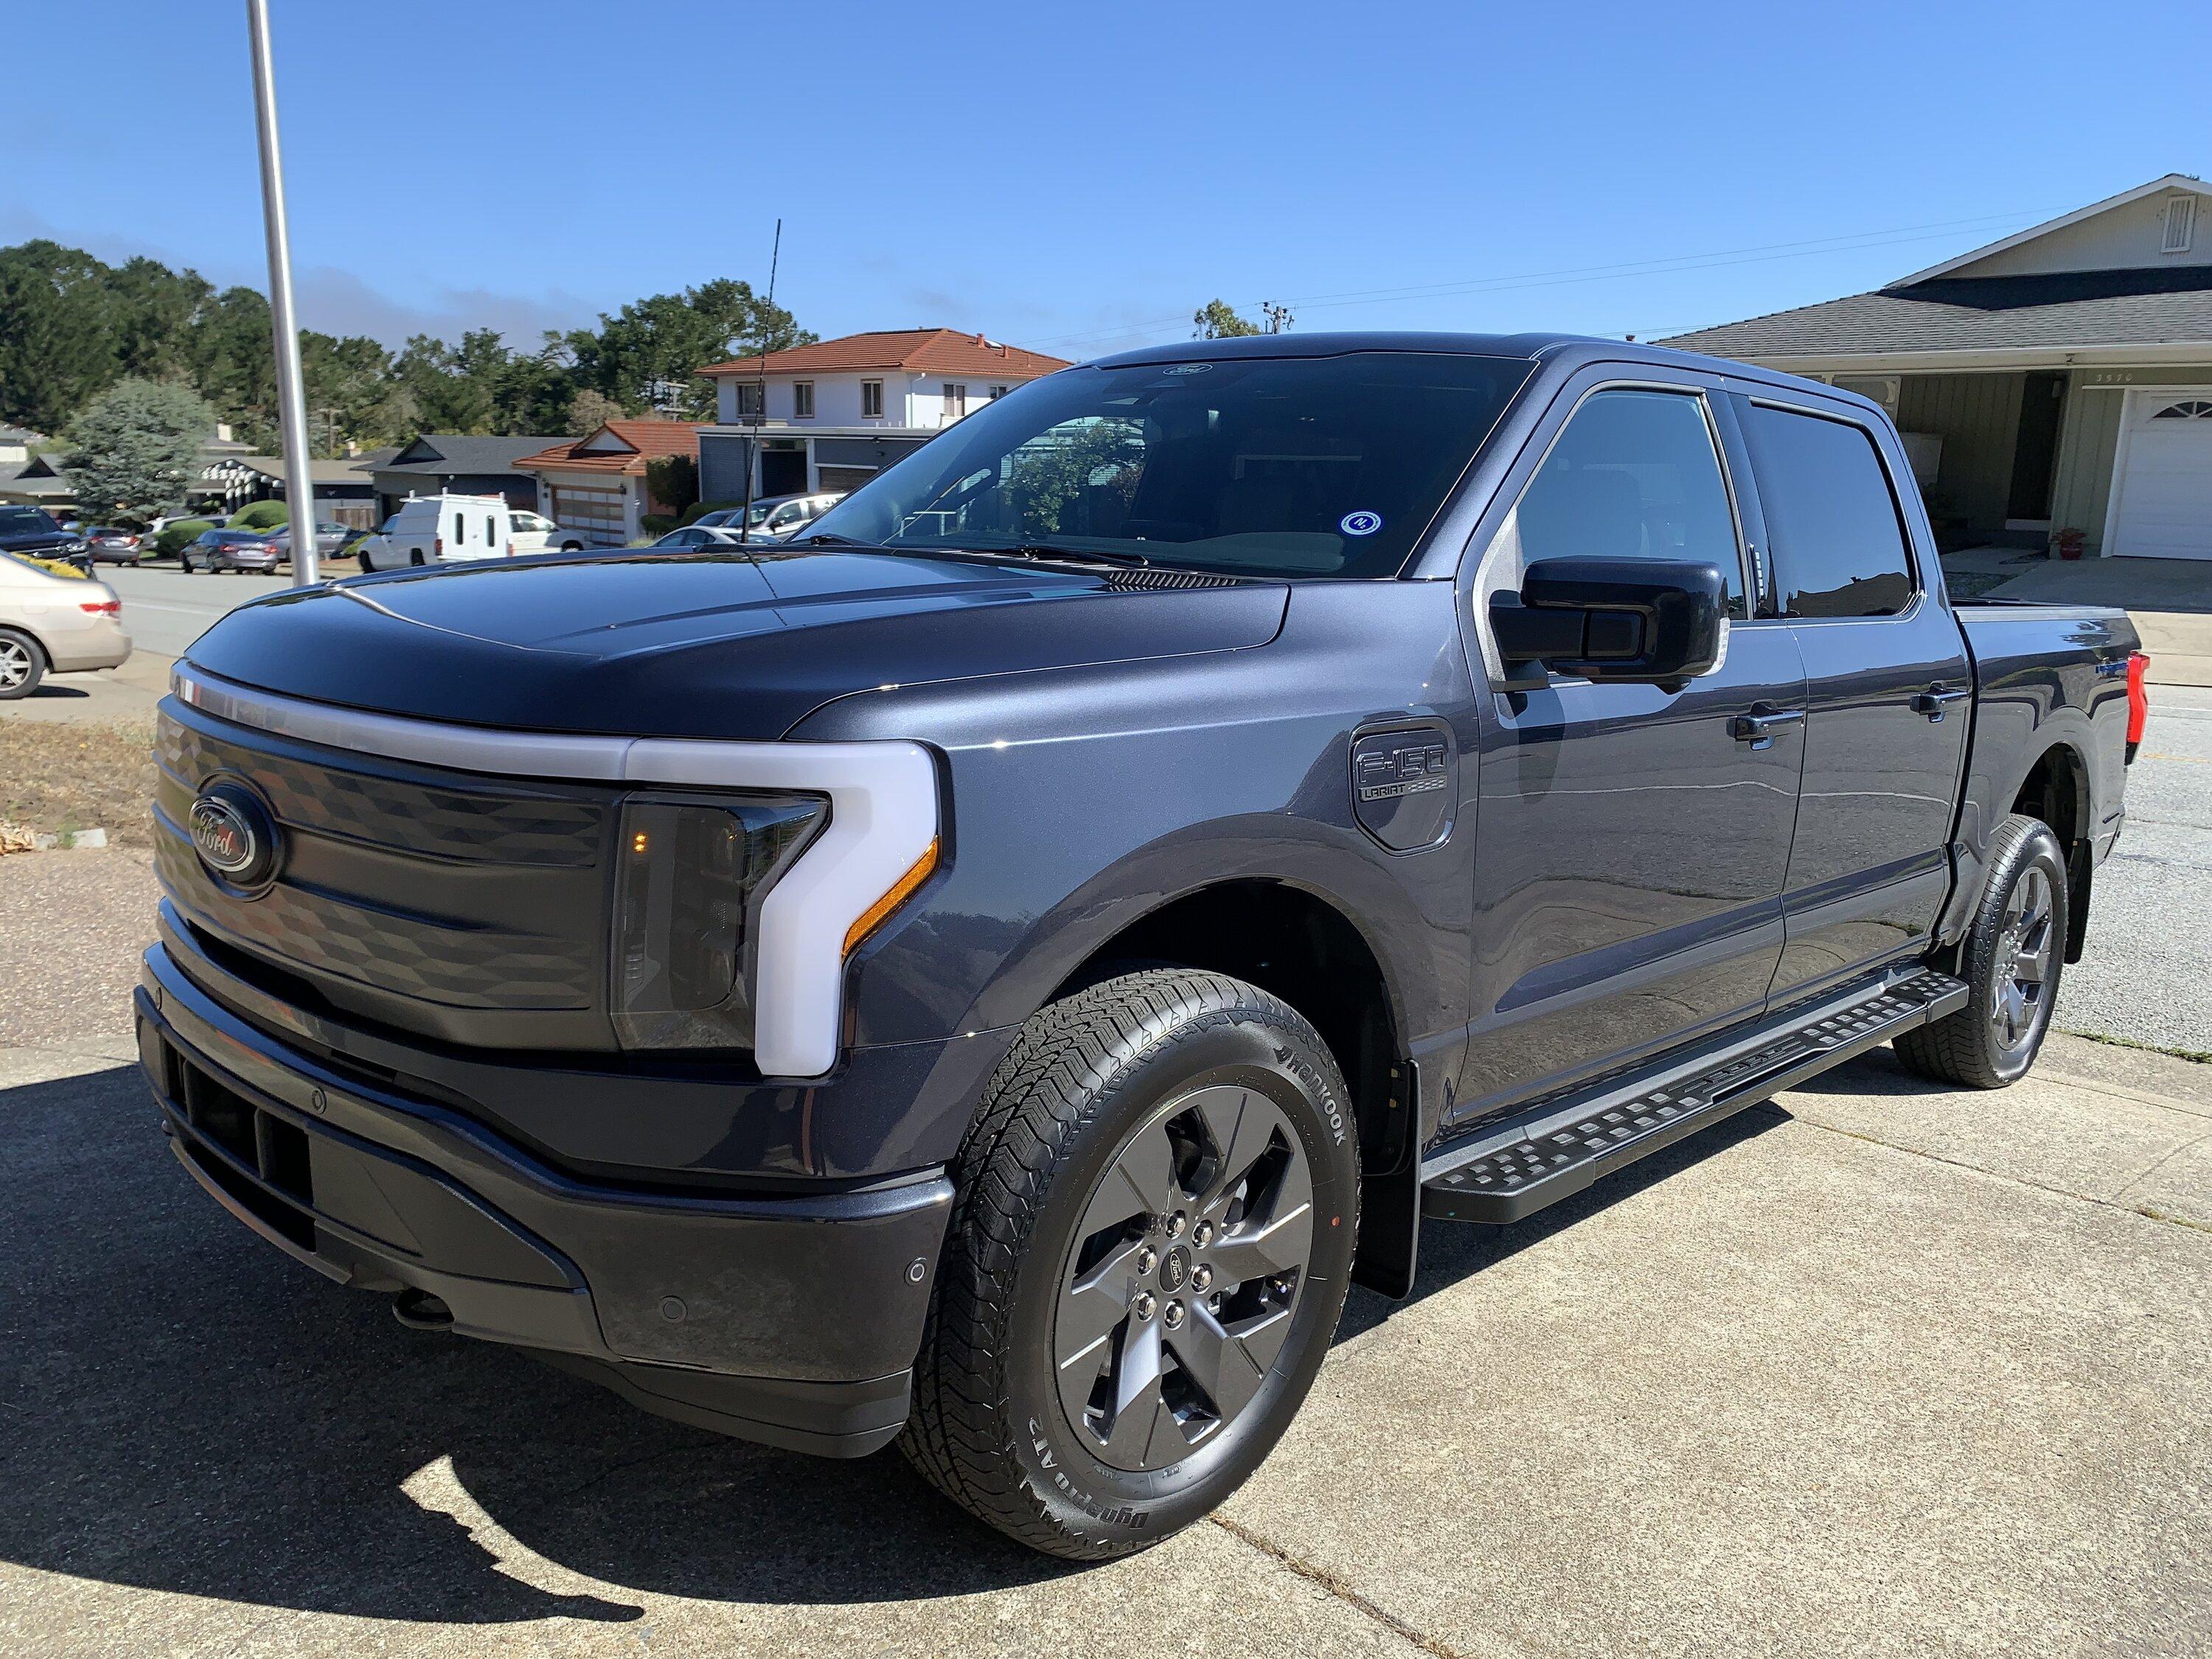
1202 1234
1174 1316
1147 1258
1175 1224
1201 1279
1143 1306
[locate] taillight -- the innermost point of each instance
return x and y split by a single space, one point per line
2138 699
438 547
102 607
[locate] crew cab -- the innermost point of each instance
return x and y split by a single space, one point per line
990 972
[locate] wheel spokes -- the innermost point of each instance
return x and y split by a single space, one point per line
1137 1406
1096 1303
1260 1249
1227 1365
1241 1129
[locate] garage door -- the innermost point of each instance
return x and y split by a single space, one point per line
598 513
2164 506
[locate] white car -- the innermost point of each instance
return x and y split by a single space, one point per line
54 624
536 533
773 518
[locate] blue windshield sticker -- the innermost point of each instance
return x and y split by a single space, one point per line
1360 524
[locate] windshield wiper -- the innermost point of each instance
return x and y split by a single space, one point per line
1046 550
828 538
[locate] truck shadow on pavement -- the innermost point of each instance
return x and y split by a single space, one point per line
184 1409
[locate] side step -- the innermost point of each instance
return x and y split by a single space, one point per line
1516 1169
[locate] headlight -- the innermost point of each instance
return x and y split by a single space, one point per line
690 880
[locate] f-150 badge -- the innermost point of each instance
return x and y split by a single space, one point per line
1400 785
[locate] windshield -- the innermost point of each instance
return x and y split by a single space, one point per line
1284 466
25 522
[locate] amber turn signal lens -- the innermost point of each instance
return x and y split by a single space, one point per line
901 891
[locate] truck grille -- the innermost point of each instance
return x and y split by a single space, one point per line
409 894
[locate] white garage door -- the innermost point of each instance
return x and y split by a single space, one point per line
2163 509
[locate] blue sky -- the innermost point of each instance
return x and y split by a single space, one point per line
1081 178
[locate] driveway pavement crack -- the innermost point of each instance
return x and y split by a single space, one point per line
1336 1587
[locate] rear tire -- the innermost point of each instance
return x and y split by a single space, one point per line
22 665
2013 954
1090 1381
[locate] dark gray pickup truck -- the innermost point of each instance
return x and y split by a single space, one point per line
991 973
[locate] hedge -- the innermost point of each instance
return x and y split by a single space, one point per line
177 532
656 525
261 515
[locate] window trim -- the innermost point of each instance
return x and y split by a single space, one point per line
797 387
1705 393
876 413
1913 564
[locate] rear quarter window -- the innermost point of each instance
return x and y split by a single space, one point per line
1834 530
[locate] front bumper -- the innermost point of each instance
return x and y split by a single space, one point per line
791 1320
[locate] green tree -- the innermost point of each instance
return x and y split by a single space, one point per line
57 343
135 448
589 411
649 355
1216 320
1051 476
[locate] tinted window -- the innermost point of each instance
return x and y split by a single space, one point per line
1329 466
1634 476
1831 524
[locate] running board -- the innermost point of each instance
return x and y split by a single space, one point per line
1511 1172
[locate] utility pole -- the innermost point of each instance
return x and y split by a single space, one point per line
291 393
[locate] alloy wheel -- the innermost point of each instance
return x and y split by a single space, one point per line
14 664
1179 1289
2027 942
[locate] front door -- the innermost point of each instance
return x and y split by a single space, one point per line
1888 688
1631 840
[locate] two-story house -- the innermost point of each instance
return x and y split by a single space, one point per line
2059 380
830 415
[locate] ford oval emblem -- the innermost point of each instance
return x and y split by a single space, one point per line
234 835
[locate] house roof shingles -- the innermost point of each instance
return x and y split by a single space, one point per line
914 350
644 441
446 453
1994 314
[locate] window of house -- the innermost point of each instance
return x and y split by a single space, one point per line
802 400
955 401
1633 476
749 400
997 393
871 400
1833 529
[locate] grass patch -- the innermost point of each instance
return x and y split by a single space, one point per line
58 777
2196 1054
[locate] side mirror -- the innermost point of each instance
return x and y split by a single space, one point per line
1638 620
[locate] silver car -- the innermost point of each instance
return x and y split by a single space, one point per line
772 518
57 624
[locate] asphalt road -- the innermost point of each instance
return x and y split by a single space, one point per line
164 611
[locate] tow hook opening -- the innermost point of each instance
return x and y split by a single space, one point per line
419 1311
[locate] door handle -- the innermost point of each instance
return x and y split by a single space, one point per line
1758 727
1936 699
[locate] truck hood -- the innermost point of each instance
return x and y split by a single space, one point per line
709 645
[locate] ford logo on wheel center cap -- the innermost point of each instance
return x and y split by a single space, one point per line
233 835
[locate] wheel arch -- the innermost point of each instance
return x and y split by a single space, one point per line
2056 790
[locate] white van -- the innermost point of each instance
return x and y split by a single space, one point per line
429 529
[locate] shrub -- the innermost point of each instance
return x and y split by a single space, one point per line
171 542
261 515
656 525
671 481
698 510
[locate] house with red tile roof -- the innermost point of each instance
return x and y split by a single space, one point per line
827 416
601 484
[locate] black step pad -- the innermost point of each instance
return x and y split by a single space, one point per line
1562 1157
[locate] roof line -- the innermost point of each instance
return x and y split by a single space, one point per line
2171 181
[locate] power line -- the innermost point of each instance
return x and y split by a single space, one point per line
1758 254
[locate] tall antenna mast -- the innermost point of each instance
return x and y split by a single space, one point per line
760 409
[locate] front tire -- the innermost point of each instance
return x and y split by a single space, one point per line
2013 954
1149 1250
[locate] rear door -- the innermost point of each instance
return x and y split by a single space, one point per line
1631 841
1887 688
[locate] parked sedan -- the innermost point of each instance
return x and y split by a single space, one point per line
699 535
331 540
230 549
110 544
57 624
